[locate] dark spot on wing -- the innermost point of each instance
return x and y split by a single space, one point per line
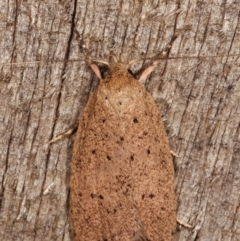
135 120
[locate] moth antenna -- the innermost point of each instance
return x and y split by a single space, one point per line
165 51
91 61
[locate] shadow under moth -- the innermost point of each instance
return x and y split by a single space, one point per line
122 175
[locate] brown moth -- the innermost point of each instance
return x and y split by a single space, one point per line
122 176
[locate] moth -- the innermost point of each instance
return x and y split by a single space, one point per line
122 175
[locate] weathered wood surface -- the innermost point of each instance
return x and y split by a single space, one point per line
45 83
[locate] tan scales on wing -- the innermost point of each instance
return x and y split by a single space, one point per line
122 178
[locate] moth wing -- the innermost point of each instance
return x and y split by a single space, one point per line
85 218
122 172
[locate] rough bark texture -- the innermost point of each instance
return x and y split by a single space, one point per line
45 84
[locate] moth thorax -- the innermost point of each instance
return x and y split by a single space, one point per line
118 68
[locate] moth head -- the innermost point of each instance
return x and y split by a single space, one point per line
119 66
115 65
